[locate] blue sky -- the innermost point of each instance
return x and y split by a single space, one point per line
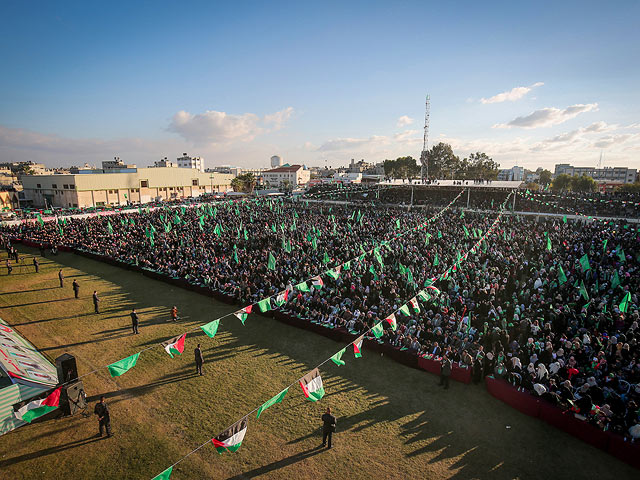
533 84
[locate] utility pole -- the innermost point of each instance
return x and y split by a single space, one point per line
424 160
468 194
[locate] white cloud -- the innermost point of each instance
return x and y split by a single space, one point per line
213 127
404 120
611 140
352 143
548 117
512 95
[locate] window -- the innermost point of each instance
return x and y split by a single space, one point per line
38 185
66 187
72 187
54 185
194 182
144 183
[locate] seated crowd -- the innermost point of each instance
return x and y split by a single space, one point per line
521 306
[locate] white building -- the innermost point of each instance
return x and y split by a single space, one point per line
606 174
292 175
165 163
185 161
514 174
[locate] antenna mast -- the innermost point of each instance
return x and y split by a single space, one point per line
423 157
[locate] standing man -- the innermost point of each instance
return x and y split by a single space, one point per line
61 278
328 427
135 320
9 267
199 359
104 421
96 301
36 264
76 288
174 313
445 371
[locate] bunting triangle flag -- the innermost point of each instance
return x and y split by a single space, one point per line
424 296
334 272
123 366
211 328
377 330
391 319
175 346
164 475
38 408
243 313
317 282
405 310
231 439
337 358
357 346
276 399
271 264
265 304
303 287
414 304
282 297
311 385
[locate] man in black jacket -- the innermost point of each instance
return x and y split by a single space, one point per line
96 302
199 359
76 288
135 320
445 372
328 427
102 411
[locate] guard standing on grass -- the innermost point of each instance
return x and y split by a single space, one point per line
36 264
76 288
135 320
61 278
328 427
96 301
9 267
445 371
104 421
199 359
174 313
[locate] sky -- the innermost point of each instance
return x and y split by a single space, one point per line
319 83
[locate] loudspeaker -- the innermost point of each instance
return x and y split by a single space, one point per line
73 399
67 369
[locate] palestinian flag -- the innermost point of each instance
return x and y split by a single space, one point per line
392 321
357 346
243 313
231 439
334 273
38 408
311 385
175 346
317 282
414 304
282 297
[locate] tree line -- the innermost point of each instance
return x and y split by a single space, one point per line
443 163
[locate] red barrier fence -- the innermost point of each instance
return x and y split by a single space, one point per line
564 420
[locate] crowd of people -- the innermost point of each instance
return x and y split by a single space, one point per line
524 306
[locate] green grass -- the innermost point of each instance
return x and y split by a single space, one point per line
393 421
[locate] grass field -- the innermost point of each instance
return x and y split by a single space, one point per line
393 421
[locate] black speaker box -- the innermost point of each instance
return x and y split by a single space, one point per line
72 398
67 369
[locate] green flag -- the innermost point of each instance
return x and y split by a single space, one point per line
436 262
337 358
583 291
271 264
122 366
466 232
405 310
326 258
211 328
584 263
277 399
265 304
604 245
109 227
621 254
624 305
377 330
164 475
548 244
564 219
562 278
615 280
